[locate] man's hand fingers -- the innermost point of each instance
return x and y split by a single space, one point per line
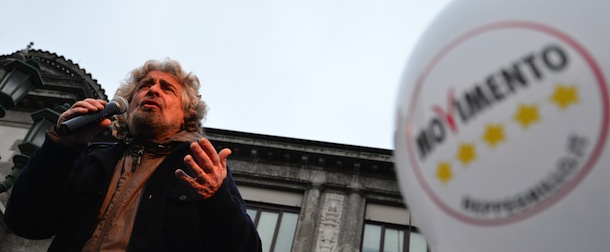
105 123
201 157
190 162
182 175
209 149
195 182
83 107
223 155
90 105
210 168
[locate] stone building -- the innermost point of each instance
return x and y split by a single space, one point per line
303 195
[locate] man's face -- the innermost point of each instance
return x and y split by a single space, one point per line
155 110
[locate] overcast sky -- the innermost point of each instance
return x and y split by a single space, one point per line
318 70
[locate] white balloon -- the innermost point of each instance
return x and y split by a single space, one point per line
502 127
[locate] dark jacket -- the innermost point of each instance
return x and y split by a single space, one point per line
54 195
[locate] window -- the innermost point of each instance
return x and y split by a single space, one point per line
276 225
383 237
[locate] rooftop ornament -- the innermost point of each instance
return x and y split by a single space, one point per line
21 77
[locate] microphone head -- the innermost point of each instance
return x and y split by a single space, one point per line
121 104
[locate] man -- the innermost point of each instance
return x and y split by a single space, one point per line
162 187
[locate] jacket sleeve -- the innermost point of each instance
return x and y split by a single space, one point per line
41 190
233 229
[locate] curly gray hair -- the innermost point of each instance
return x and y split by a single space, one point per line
194 108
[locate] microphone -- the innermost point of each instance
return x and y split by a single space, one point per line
118 105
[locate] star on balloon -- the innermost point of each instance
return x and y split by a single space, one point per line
444 172
494 134
527 115
564 96
466 153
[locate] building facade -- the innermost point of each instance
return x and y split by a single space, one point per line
303 195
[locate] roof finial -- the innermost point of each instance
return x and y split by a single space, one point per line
21 54
27 49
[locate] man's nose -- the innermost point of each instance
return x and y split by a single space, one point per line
154 89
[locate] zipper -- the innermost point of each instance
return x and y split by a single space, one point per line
138 156
119 198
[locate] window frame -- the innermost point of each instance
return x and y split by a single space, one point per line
407 230
273 208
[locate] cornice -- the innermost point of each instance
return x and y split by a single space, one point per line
304 153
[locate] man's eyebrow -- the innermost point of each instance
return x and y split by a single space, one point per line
145 79
167 83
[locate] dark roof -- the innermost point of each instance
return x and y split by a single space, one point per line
64 81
